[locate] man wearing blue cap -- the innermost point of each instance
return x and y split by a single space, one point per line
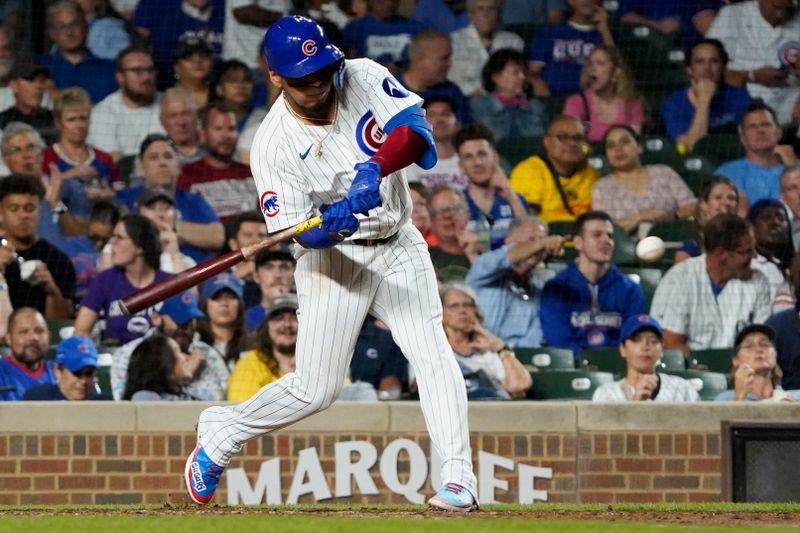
641 347
76 368
177 319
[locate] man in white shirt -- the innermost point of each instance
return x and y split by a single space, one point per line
124 118
641 347
473 44
703 301
245 22
763 40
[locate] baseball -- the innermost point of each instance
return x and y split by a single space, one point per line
650 249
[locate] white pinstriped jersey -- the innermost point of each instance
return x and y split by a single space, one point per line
672 389
293 183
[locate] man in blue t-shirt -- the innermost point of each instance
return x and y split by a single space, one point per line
70 62
26 367
492 202
558 53
758 174
381 34
588 301
165 22
75 369
708 104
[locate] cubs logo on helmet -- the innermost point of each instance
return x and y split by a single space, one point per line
295 47
369 135
269 203
309 47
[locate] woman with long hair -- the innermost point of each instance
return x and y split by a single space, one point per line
507 108
135 260
273 354
193 64
634 193
476 347
223 327
718 195
158 371
609 95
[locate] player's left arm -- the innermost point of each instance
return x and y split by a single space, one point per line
409 140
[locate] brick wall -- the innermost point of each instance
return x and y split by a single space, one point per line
618 463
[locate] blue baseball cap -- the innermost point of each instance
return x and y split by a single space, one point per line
181 308
635 324
222 281
76 352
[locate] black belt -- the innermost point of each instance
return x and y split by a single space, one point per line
373 242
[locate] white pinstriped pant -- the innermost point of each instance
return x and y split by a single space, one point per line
336 288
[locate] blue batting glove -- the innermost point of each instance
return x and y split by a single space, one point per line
338 218
365 193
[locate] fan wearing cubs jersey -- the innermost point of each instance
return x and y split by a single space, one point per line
366 257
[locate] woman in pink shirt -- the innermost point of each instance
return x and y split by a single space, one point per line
609 96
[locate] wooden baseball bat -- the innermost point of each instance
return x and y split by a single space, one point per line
160 291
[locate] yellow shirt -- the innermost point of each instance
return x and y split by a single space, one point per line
251 373
533 180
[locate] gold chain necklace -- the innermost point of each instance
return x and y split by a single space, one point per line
300 118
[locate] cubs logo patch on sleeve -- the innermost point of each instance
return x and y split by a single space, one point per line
269 203
369 135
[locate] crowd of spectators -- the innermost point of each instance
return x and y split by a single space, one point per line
125 151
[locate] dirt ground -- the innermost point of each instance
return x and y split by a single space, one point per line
608 514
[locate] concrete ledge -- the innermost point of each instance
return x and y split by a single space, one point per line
397 417
702 416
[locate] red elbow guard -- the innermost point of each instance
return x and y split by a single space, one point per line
401 148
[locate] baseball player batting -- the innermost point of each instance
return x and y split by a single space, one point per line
366 257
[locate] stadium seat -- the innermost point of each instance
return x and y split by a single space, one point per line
696 180
58 329
660 150
714 360
103 385
126 165
603 360
567 384
546 357
707 384
720 147
527 30
554 104
624 247
648 279
673 231
672 360
600 162
698 164
512 150
561 227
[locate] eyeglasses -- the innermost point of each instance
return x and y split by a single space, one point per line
140 70
84 373
565 137
28 148
449 210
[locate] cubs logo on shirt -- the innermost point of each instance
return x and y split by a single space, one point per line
789 54
369 135
269 203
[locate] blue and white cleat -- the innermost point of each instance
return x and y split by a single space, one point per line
201 475
454 497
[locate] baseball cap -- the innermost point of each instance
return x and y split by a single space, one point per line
76 352
284 302
265 256
151 194
635 324
181 308
188 46
754 328
27 68
220 282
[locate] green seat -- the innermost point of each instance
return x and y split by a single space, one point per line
714 360
561 227
672 360
50 354
55 327
698 164
103 385
554 104
126 165
647 279
512 150
696 180
673 231
603 360
624 248
660 150
547 357
707 384
527 30
567 384
720 147
599 162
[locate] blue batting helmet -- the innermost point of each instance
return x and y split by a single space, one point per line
297 46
